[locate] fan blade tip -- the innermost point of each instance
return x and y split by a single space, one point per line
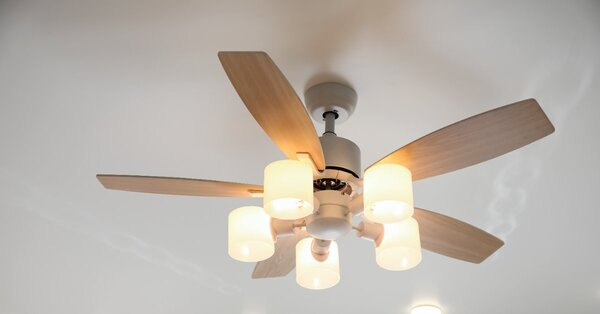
499 245
222 55
225 53
258 276
532 100
100 178
551 128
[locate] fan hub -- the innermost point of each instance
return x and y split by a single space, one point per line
332 219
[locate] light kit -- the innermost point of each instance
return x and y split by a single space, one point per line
312 198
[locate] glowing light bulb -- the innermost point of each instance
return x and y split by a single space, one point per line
250 238
245 251
314 274
426 309
400 247
288 189
388 193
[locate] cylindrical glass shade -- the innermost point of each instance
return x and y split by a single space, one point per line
288 189
388 193
250 236
314 274
400 247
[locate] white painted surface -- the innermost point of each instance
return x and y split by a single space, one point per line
135 87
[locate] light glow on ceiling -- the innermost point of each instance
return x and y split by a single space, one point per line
426 309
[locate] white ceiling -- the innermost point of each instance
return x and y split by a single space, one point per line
135 87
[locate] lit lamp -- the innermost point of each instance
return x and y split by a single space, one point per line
314 274
250 237
388 193
288 189
426 309
400 247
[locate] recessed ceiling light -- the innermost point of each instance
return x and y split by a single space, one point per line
426 309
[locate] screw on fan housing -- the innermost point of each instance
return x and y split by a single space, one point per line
329 184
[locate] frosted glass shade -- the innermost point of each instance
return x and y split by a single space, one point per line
313 274
288 189
400 247
250 238
388 193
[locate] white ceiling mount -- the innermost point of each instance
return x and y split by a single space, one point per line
330 97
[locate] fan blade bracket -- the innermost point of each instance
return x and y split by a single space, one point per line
370 231
307 159
283 228
256 193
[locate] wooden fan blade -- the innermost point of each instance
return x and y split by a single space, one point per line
473 140
178 186
454 238
283 260
273 103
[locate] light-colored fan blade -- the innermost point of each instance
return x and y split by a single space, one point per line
473 140
454 238
178 186
283 260
273 103
448 236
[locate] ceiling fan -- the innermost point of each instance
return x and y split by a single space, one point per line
310 198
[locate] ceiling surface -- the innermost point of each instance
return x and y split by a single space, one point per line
135 87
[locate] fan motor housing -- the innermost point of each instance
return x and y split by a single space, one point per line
342 158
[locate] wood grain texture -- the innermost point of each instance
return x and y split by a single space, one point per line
273 103
454 238
448 236
176 186
283 260
473 140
